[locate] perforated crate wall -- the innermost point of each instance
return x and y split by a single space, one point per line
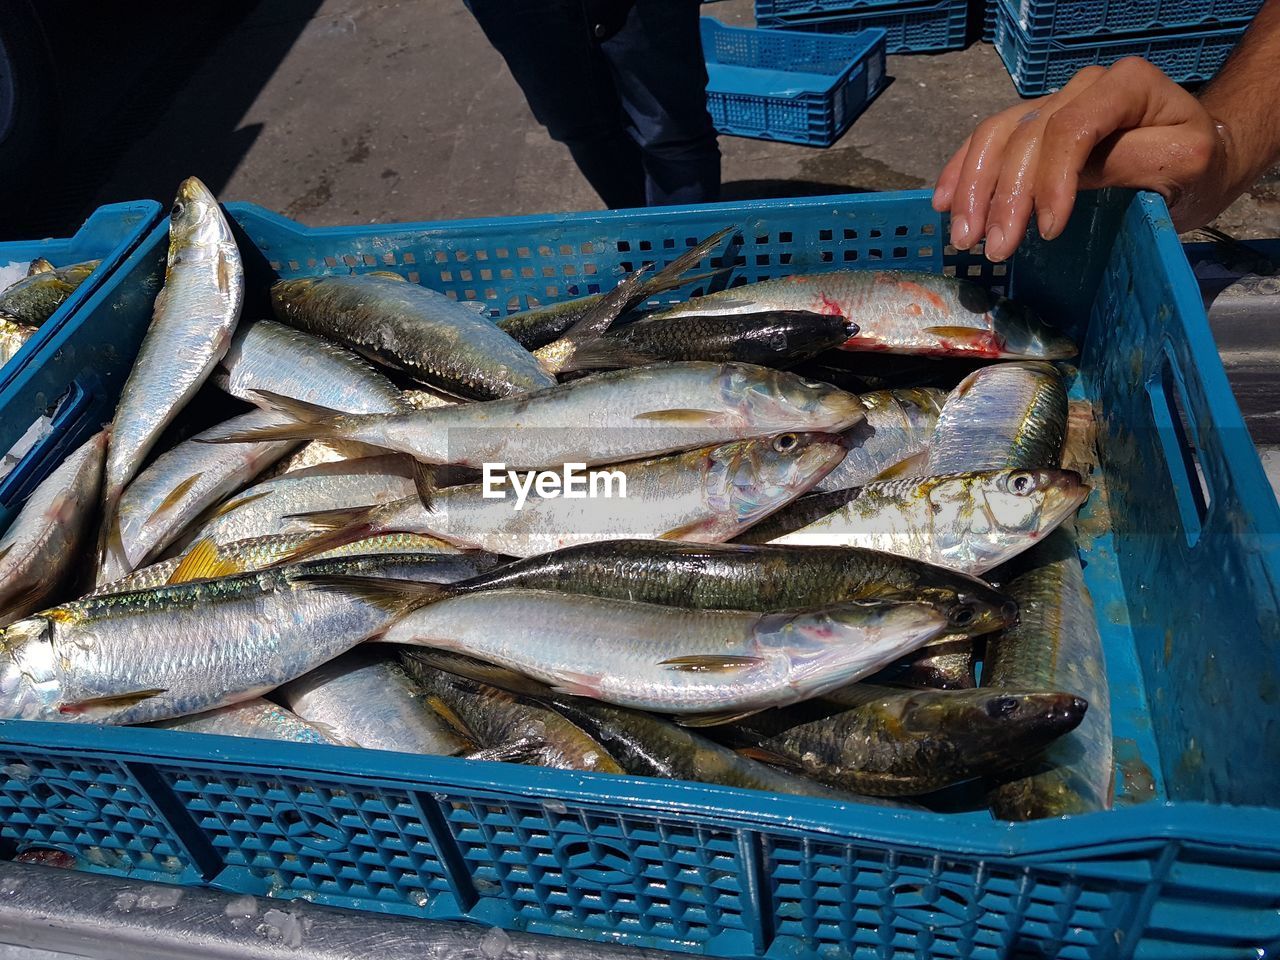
914 27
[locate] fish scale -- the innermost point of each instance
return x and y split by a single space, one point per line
1006 415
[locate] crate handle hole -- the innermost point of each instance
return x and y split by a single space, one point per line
1178 443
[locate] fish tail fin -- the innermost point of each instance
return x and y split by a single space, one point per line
337 528
605 353
309 422
673 274
396 597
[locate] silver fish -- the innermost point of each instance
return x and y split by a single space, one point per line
969 522
176 650
269 507
270 356
369 700
897 427
180 485
206 559
1005 415
44 545
257 718
667 659
1055 646
703 496
607 418
414 329
195 316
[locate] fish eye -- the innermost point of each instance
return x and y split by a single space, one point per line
1001 707
963 615
785 443
178 209
1022 484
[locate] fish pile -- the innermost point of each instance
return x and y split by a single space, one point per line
26 304
805 510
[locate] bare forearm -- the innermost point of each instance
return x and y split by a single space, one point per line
1244 99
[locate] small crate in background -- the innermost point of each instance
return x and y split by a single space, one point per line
1042 20
40 410
919 26
1041 66
774 85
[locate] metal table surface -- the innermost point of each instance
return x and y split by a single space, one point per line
48 913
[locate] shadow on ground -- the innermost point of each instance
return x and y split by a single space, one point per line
147 92
780 189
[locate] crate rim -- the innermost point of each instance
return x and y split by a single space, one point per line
1255 829
860 43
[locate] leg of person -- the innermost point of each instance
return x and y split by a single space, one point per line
548 47
661 78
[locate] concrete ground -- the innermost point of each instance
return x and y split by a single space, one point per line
349 111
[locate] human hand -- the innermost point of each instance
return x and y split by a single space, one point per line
1128 125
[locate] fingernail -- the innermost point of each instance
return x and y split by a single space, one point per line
1047 223
995 243
960 232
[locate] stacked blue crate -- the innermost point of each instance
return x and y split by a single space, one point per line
1044 42
913 26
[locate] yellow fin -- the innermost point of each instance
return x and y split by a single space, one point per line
713 719
114 700
453 720
709 663
387 274
175 495
203 563
972 336
237 504
685 531
688 417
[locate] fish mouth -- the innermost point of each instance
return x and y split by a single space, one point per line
193 189
1061 713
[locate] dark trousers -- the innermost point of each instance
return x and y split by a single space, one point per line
631 108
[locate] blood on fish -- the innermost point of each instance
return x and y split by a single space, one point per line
914 309
828 306
916 290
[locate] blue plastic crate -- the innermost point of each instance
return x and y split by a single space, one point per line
1105 19
915 27
1040 66
1186 866
774 85
989 21
32 386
